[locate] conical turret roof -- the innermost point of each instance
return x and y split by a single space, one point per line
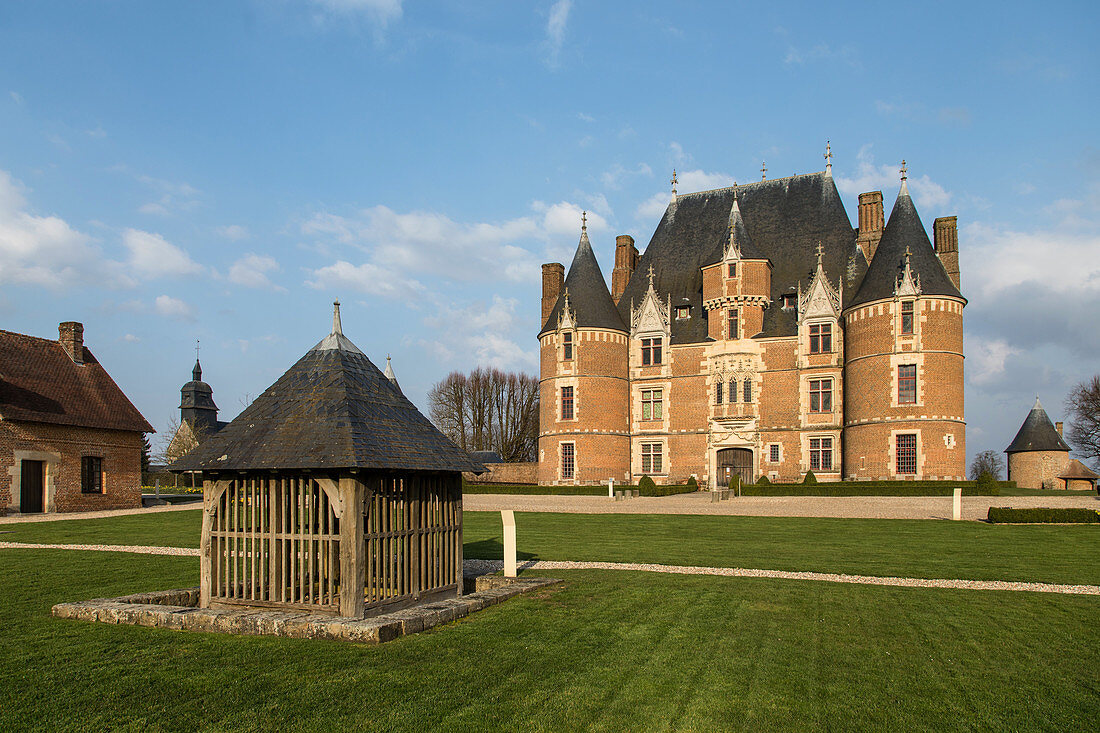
1037 433
738 236
333 409
904 232
588 295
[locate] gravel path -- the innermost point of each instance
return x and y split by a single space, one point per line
847 507
481 567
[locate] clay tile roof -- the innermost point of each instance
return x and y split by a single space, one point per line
1037 433
588 294
904 230
333 409
40 383
1079 470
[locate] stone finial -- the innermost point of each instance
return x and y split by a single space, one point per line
904 179
651 277
820 253
763 170
828 158
337 328
584 221
674 181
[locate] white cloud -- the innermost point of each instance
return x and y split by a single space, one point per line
997 259
151 255
131 338
871 177
97 133
233 232
653 207
379 11
16 97
985 359
42 250
365 278
564 219
699 180
170 307
617 175
480 334
585 118
173 196
555 30
251 271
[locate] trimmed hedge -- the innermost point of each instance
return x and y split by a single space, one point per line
1040 515
875 488
598 490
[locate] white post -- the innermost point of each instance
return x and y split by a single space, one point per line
611 488
509 518
957 505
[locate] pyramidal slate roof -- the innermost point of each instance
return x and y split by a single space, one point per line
738 234
784 218
589 297
333 409
1037 433
904 231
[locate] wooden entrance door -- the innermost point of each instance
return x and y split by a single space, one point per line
32 486
734 461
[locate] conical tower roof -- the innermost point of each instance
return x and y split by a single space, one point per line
904 232
1037 433
588 295
736 236
333 409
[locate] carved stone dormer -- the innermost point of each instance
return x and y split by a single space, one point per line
908 283
733 235
567 321
651 317
820 299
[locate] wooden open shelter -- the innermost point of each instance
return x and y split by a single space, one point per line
330 493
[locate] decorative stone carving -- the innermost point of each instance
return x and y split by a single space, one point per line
652 316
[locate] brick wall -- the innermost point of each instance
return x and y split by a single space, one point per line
506 473
1032 468
62 447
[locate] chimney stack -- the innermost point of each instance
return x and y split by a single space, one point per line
71 336
946 234
1058 427
553 280
626 260
871 222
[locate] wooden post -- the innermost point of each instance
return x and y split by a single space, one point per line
352 562
456 487
508 517
208 507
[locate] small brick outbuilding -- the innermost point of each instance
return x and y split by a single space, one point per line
70 440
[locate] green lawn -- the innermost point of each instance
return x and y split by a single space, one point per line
918 548
603 651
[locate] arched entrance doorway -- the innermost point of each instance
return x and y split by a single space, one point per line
734 461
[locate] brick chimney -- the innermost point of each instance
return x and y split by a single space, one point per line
946 233
71 336
626 259
871 222
553 280
1058 427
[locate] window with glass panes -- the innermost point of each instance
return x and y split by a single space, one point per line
773 452
731 324
821 338
718 393
91 475
907 384
906 451
733 391
733 269
746 395
651 404
566 403
651 351
651 458
568 460
821 454
907 316
567 346
821 395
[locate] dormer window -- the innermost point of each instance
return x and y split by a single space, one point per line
907 316
733 269
821 338
787 300
651 351
567 346
683 312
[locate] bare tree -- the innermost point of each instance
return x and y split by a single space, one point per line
488 409
1083 411
988 461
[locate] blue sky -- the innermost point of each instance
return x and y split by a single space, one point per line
223 170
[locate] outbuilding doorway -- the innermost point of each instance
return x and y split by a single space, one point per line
32 486
734 461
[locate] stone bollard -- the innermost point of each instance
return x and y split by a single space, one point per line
635 493
508 517
156 489
611 488
714 496
619 495
957 505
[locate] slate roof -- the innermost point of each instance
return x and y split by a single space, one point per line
904 230
40 383
784 218
333 409
740 235
1079 470
1037 433
485 456
588 294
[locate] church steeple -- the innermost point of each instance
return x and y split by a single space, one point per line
196 373
197 403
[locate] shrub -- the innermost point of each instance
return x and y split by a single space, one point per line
692 484
809 478
1037 515
987 484
762 481
873 488
735 482
646 487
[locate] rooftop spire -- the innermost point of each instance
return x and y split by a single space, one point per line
651 277
763 170
196 373
337 329
904 178
674 182
820 253
389 373
828 158
584 221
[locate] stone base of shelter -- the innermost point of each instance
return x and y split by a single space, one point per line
178 610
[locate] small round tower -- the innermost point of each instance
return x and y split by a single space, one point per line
1037 456
584 405
903 376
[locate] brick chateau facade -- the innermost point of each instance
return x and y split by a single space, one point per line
759 334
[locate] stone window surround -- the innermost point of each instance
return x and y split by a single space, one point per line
805 445
636 389
809 379
778 450
905 358
53 465
661 456
561 461
892 453
831 450
567 382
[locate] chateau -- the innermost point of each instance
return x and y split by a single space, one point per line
759 334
